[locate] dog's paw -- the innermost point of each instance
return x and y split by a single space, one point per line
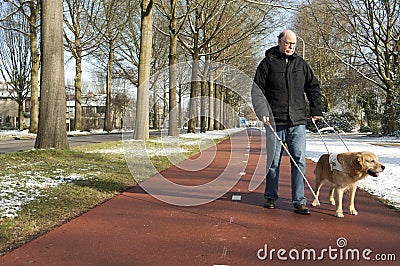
315 203
339 214
332 202
353 212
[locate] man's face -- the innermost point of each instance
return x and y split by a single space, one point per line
287 44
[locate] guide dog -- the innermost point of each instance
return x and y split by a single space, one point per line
343 171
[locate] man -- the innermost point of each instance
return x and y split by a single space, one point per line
281 80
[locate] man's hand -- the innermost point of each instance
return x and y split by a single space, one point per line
266 120
316 117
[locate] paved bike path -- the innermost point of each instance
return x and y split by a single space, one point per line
134 228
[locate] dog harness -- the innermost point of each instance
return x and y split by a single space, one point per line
334 163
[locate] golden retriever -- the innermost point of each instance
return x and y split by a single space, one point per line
343 171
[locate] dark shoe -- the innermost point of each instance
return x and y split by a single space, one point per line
301 209
269 204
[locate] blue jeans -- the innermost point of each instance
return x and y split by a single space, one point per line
295 138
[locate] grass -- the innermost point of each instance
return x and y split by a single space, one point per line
87 176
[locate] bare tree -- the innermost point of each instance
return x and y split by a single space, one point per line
127 59
81 39
173 44
373 32
142 106
116 14
176 14
214 28
159 78
332 74
113 21
15 61
127 54
52 127
119 105
30 9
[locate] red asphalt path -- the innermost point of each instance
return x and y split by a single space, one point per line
134 228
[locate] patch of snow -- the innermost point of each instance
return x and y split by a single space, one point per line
20 189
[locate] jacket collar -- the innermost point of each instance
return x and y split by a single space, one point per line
276 53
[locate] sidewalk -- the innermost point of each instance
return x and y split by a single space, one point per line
134 228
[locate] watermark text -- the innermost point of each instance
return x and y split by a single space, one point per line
340 252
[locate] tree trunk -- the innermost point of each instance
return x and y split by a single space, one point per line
203 107
142 105
180 107
173 43
211 103
217 113
34 112
222 105
225 110
21 119
390 115
165 108
107 119
78 89
204 100
52 131
156 111
194 88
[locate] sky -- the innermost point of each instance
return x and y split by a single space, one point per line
15 192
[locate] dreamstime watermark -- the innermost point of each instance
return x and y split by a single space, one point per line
340 252
238 84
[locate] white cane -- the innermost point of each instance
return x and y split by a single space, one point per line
287 151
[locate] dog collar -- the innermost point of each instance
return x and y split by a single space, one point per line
334 163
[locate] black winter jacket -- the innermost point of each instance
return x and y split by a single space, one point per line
279 89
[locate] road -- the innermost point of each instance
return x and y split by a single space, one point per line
24 144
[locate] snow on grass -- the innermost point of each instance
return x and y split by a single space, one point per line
9 134
21 187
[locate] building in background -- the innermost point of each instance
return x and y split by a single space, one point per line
93 112
9 109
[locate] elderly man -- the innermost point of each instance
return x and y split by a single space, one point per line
280 83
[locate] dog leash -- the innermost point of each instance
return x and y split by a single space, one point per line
294 162
320 134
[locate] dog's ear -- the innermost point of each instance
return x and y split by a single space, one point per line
358 161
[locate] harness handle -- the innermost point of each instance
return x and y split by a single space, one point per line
320 134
